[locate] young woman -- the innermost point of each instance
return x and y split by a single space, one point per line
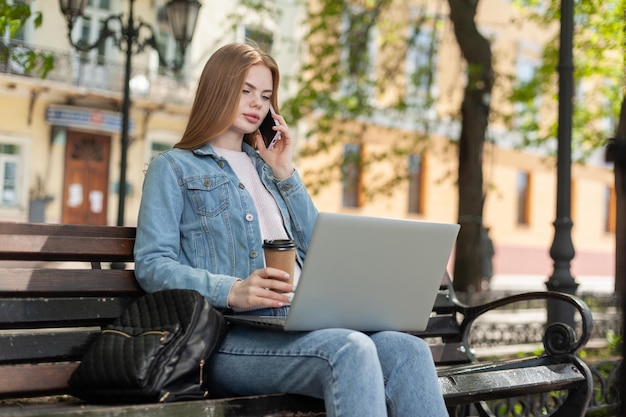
206 208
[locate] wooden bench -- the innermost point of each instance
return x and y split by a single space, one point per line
57 290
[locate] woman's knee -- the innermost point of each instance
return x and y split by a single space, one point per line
355 346
401 345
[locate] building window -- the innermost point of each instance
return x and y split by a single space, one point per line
262 38
416 184
90 27
157 147
165 41
104 4
523 198
351 175
359 51
527 61
9 174
158 141
421 66
609 209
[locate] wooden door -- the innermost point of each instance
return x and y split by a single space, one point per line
85 188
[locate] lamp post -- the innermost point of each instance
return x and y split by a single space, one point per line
562 249
616 153
182 15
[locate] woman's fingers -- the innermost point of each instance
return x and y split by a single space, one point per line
264 287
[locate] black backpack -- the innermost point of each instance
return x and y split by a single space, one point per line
154 352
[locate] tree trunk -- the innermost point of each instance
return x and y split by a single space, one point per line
620 230
620 204
474 114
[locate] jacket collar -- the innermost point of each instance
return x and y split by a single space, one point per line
207 150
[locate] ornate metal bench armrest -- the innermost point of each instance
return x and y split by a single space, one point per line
559 338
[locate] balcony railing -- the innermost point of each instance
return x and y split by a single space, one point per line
99 73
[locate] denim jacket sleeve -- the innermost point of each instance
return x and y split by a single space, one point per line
160 225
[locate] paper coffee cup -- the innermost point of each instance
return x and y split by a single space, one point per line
281 254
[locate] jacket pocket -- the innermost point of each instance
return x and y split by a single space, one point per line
209 194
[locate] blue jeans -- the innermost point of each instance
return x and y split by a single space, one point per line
382 374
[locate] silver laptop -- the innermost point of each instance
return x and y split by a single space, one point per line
368 274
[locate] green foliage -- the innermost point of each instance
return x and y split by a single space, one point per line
347 84
13 17
614 342
538 351
599 70
266 10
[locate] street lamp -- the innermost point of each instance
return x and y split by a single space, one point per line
182 15
562 249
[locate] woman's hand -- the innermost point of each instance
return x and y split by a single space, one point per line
264 287
280 157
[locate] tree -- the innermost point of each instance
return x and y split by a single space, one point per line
620 209
620 190
13 18
475 118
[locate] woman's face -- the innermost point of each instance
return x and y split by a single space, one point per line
254 103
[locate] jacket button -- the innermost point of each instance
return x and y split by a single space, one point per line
241 185
207 182
254 254
286 187
249 217
220 164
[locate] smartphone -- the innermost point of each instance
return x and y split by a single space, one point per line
269 135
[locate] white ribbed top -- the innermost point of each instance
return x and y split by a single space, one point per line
270 219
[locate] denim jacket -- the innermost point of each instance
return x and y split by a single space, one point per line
198 227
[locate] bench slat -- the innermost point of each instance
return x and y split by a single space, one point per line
71 343
15 228
42 378
277 405
440 326
443 304
449 353
51 378
45 312
457 389
64 248
25 281
474 387
87 309
54 345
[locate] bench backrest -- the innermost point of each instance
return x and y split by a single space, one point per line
60 284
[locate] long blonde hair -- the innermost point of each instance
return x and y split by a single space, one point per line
219 90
